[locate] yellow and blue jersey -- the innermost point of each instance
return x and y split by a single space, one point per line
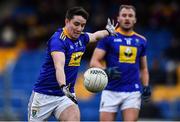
73 50
124 51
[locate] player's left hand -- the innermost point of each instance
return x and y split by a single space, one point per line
66 91
113 72
110 27
146 93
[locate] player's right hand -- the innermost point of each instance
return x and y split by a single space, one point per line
110 27
65 90
113 72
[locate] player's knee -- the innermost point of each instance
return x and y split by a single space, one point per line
75 117
130 118
130 114
107 116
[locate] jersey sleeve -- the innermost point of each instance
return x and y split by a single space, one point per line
103 44
144 48
86 38
55 44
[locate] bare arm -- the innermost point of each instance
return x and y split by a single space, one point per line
59 61
96 60
93 37
144 71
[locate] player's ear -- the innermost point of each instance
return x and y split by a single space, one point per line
66 21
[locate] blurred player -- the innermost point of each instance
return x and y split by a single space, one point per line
53 92
126 66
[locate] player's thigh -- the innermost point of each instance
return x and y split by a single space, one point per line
131 100
40 107
131 105
130 114
109 105
70 114
67 110
107 116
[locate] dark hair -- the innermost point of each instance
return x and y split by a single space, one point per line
127 7
76 11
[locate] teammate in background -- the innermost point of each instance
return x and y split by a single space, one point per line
53 93
126 66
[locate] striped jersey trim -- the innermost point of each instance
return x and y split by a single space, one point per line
62 36
140 36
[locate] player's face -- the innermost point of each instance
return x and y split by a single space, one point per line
126 19
75 26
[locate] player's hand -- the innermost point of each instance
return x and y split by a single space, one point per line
113 72
110 27
146 93
65 90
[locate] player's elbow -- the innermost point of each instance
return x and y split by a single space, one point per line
93 37
144 71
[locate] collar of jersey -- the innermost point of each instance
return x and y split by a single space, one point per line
65 31
119 30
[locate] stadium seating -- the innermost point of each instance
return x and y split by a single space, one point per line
23 77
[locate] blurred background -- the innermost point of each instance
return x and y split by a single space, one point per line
26 26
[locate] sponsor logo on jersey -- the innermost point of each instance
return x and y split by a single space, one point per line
127 54
75 59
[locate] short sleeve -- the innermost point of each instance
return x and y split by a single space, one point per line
103 44
144 48
86 38
55 44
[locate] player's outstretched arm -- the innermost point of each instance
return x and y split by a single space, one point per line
109 30
59 61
